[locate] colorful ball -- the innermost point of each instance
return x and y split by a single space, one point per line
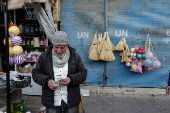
156 64
149 55
139 56
16 40
147 63
10 43
18 59
131 54
127 64
134 57
140 48
150 68
133 67
14 29
139 59
143 56
11 51
134 54
17 50
11 61
132 50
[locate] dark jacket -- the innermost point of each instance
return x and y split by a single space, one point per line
43 72
169 79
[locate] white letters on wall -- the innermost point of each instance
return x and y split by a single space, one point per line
82 35
121 33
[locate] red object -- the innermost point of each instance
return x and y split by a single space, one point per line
140 51
136 50
143 51
140 48
43 111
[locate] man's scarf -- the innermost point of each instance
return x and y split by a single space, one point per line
64 58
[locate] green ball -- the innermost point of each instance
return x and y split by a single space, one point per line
139 59
134 54
143 55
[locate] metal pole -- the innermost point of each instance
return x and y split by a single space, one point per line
105 29
15 23
7 55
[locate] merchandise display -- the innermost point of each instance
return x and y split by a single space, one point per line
101 48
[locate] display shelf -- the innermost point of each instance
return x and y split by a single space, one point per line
32 34
27 47
31 61
27 20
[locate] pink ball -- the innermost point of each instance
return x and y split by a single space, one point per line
149 55
134 57
128 64
16 40
156 64
131 54
139 69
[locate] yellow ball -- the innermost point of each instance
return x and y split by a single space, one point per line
10 42
132 50
10 51
133 67
17 50
14 29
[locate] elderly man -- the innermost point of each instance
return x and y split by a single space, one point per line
60 63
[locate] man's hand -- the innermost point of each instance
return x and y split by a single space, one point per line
51 86
167 90
65 83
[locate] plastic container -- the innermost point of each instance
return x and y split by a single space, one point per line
32 41
21 27
28 15
34 15
32 29
36 28
28 41
27 29
42 41
24 41
40 30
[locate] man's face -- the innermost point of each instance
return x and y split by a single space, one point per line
60 49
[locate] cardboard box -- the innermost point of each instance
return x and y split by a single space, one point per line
18 107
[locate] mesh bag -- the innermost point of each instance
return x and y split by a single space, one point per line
151 62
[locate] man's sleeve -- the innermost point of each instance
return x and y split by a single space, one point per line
81 74
38 74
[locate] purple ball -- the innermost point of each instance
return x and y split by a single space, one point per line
11 61
16 40
18 59
128 64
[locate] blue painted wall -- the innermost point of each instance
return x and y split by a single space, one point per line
131 19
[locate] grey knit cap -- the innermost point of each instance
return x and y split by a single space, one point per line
60 38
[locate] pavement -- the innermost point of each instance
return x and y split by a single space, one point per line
115 100
113 103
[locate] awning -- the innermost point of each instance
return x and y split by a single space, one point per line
17 4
